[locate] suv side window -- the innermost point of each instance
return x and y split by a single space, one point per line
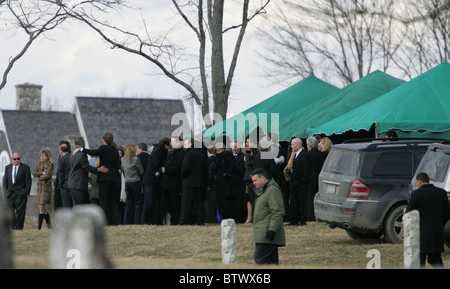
394 164
436 164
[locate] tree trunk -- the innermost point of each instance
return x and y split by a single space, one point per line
217 64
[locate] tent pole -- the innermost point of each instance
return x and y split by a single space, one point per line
376 130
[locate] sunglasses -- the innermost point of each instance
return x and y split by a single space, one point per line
15 159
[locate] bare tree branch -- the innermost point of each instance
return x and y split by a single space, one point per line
340 41
201 17
34 21
35 18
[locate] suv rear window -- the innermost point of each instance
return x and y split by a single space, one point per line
394 164
436 165
342 162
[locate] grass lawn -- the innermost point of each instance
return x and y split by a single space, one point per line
141 246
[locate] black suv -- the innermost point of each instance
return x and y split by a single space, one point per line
363 186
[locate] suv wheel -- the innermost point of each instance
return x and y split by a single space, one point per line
393 225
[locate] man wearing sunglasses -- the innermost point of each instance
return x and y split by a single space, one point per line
16 189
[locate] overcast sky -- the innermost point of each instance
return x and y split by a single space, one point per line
76 62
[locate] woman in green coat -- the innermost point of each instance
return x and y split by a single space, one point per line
268 228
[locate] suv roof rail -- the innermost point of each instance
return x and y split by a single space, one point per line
396 139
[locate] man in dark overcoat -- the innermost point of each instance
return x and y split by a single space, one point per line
170 184
434 211
194 181
314 161
151 181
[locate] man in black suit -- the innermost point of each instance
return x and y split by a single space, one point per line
78 174
238 200
62 177
141 153
314 162
16 189
434 210
109 183
151 180
299 185
170 185
194 180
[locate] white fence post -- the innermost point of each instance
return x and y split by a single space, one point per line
229 251
411 239
77 239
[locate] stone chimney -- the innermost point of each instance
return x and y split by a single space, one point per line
28 97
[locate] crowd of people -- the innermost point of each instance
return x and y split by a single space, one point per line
176 182
181 182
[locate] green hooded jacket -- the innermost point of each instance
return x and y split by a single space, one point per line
268 215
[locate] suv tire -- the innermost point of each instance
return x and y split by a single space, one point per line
393 225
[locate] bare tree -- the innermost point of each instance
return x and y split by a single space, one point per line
35 19
341 41
205 76
427 42
31 19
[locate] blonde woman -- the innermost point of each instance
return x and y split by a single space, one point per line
287 171
325 145
132 170
44 172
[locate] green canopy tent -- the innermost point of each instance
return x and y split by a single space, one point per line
272 111
350 97
418 108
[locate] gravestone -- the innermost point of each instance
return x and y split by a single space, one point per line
77 239
411 239
6 220
229 250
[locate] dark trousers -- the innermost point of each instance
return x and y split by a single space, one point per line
225 200
211 206
78 197
133 205
171 203
18 203
251 195
434 259
192 205
298 205
108 199
151 196
312 190
57 199
66 198
266 254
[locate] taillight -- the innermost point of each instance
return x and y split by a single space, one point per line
359 190
448 197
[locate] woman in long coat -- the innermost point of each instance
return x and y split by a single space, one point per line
225 169
44 172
